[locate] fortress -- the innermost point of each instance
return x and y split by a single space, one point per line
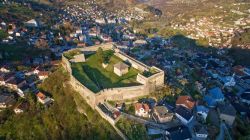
146 85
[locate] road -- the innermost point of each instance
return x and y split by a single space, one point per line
151 123
223 131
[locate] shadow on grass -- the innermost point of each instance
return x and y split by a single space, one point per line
103 82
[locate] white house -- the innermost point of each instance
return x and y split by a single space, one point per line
142 110
31 23
140 43
43 75
4 70
202 111
200 132
120 68
43 99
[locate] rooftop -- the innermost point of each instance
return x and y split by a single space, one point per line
185 113
185 101
162 111
121 66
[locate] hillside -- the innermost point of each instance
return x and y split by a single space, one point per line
60 121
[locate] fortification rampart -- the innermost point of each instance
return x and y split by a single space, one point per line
148 83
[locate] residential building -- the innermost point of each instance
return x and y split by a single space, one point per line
185 101
20 108
6 100
202 111
227 113
184 114
178 133
245 97
200 132
161 114
142 110
43 98
214 96
31 23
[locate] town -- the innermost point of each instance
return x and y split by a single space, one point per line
156 88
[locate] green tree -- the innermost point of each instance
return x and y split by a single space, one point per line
100 55
3 34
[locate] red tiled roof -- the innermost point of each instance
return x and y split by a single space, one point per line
138 106
43 73
185 101
41 95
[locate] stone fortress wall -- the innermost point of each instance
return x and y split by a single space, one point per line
149 84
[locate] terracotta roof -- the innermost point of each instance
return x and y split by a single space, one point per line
138 106
43 73
41 95
185 101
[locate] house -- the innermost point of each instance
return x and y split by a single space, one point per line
31 23
185 101
142 110
214 96
120 106
4 70
43 75
16 83
239 71
240 108
6 100
228 81
178 133
120 68
140 43
20 108
227 113
245 97
162 114
23 89
5 77
247 71
202 111
185 115
43 98
201 132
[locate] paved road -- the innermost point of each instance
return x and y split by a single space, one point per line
146 122
223 131
151 123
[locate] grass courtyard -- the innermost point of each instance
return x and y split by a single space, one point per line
95 77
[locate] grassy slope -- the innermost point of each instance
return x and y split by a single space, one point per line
59 121
133 130
16 12
93 75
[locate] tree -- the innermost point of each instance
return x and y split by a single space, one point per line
100 55
42 44
3 34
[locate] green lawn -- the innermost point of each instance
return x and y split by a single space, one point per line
95 77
